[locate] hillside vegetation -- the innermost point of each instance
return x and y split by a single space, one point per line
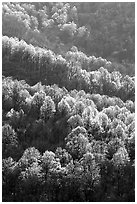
68 102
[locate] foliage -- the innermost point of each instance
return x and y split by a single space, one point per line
9 141
68 102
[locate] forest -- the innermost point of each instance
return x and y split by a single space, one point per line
68 102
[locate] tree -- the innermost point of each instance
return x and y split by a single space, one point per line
9 141
47 110
68 30
121 157
127 88
64 157
29 157
78 108
36 103
90 175
7 93
76 142
30 183
64 107
9 179
49 162
75 121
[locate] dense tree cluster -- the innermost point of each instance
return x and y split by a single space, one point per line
104 29
68 102
75 71
55 141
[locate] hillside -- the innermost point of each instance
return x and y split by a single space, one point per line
68 102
